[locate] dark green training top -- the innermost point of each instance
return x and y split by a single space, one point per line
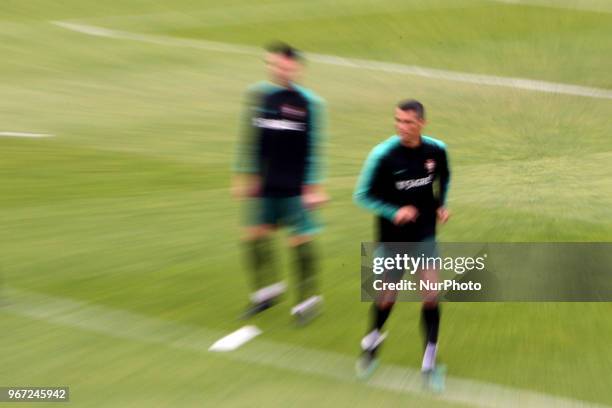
395 176
281 139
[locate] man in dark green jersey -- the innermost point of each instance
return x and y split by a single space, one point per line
397 184
278 169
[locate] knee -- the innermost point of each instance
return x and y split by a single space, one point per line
297 240
385 302
257 232
430 304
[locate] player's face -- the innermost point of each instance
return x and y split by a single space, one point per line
408 124
282 70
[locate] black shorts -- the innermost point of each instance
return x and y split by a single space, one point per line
420 250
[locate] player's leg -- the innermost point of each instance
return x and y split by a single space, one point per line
373 340
305 260
305 256
380 312
261 261
433 373
430 321
381 309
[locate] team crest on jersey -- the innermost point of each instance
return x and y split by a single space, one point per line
430 165
292 112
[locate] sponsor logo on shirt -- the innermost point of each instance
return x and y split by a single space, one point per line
279 124
412 183
292 112
430 165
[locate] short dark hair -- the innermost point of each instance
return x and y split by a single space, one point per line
412 105
285 50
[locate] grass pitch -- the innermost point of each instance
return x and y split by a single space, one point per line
128 207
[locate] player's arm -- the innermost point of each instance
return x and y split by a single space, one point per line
245 177
444 182
371 174
313 193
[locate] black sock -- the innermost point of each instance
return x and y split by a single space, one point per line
379 316
261 262
305 258
430 318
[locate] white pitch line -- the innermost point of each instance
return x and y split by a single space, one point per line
24 134
236 339
334 366
477 79
576 5
301 10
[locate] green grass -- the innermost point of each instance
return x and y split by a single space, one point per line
128 207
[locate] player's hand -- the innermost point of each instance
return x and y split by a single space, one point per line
246 186
313 196
443 215
406 214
